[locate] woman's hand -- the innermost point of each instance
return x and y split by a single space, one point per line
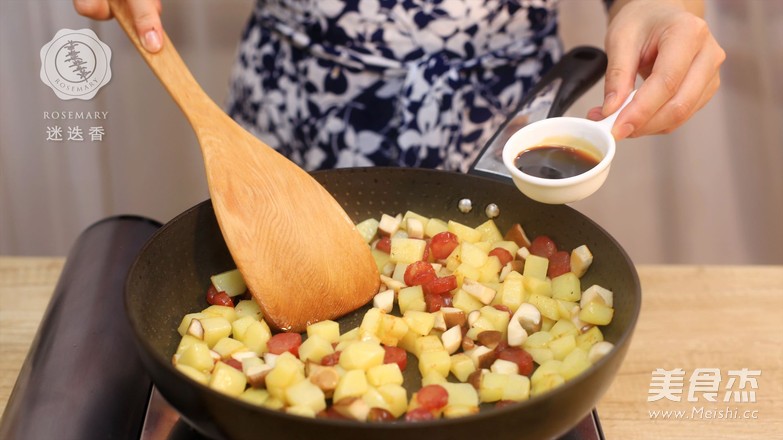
145 13
668 44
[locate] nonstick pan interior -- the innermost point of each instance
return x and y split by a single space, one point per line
172 273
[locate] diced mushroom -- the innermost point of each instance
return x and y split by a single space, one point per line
581 259
516 335
256 374
440 321
529 317
481 356
517 235
388 269
325 378
452 339
596 293
391 283
490 338
242 355
270 359
580 325
352 407
195 329
384 300
453 316
389 225
504 272
473 316
478 291
599 350
415 228
504 367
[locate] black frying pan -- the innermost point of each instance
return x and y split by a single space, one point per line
172 272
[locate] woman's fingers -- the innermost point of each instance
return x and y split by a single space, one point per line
145 13
676 53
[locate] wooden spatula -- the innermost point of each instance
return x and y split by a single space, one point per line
297 249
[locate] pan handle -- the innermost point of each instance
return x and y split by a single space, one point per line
566 81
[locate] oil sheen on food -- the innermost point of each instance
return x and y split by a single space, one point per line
555 161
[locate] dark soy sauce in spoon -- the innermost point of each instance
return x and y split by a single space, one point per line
555 161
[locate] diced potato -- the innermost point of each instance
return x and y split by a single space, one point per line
384 374
381 259
198 357
362 355
255 396
438 361
374 399
566 287
229 313
466 271
491 386
540 355
589 338
432 378
327 329
461 394
548 368
547 383
537 286
411 298
427 343
371 323
463 232
368 229
409 341
314 348
406 250
535 267
456 411
498 318
574 364
517 389
562 346
489 272
434 227
389 225
567 308
301 411
287 371
306 394
248 307
538 340
399 272
396 397
419 322
466 302
274 403
473 255
462 366
513 293
595 313
563 327
225 347
489 231
230 282
256 336
392 329
215 328
547 306
240 325
186 342
227 380
352 384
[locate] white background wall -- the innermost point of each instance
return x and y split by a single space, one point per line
712 192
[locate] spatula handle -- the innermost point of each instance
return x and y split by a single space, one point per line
169 68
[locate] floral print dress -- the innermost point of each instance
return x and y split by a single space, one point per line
423 83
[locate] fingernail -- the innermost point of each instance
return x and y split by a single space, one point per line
152 41
608 102
623 131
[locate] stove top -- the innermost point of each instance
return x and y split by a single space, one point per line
82 378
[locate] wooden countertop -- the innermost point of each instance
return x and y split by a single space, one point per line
727 318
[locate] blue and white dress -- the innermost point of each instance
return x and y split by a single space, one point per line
424 83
